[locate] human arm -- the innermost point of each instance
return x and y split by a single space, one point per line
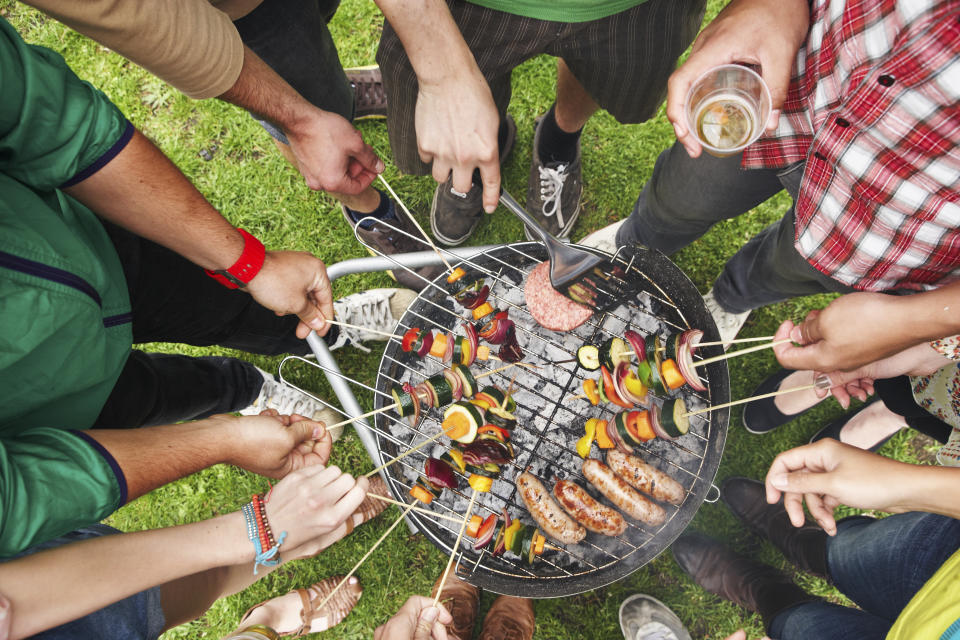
829 473
52 587
863 327
456 119
417 619
766 33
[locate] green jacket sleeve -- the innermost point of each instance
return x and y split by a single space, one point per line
55 129
53 481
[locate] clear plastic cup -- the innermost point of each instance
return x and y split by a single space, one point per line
727 108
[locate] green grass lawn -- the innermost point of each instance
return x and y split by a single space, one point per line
253 186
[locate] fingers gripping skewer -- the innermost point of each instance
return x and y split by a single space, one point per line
367 554
428 512
822 382
456 546
394 195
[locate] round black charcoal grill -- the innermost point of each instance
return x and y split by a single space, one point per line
549 423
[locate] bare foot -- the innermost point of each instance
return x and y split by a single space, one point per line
871 426
790 404
284 614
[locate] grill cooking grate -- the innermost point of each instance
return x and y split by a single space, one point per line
549 424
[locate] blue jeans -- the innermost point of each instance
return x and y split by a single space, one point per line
139 617
686 196
880 565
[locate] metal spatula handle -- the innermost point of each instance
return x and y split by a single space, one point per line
507 200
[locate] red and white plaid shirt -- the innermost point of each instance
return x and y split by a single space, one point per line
874 109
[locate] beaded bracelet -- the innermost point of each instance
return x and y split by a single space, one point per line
267 550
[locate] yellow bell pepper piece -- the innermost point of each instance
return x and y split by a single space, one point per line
583 444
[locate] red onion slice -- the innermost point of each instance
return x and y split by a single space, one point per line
691 337
456 383
655 423
413 420
614 436
637 343
473 299
687 370
448 354
427 343
474 340
440 473
479 452
486 534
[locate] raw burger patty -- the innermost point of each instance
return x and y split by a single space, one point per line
550 308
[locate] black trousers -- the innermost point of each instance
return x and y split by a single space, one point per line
173 300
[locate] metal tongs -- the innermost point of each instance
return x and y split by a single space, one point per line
587 276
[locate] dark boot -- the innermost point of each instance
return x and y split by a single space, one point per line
509 618
805 547
461 599
754 586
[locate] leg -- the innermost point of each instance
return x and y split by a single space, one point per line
827 621
686 196
881 564
769 269
897 394
574 105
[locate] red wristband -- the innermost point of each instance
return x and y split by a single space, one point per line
245 268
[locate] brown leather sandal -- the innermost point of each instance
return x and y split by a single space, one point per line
333 611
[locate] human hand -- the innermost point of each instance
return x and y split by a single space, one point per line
457 125
742 635
295 282
838 339
311 505
273 445
331 154
417 619
765 33
829 473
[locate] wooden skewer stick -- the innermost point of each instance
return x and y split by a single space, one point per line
366 415
456 546
367 554
407 452
442 516
713 344
760 397
733 354
407 211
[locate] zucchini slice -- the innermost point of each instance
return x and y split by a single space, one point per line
502 419
621 422
403 400
673 418
611 352
462 419
441 389
589 357
469 383
454 457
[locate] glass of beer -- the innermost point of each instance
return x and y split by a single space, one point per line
727 108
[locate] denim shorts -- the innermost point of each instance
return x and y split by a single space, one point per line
292 38
139 617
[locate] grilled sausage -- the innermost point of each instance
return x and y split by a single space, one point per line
621 494
648 479
596 517
546 512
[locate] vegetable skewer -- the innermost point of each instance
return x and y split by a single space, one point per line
456 545
423 233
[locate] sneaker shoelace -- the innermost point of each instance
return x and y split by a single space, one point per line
287 400
551 189
370 310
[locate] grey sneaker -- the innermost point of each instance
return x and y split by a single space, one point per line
605 238
728 324
553 192
643 617
376 310
288 400
387 238
370 100
454 215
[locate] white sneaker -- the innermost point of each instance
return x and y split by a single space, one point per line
288 400
728 324
604 239
377 309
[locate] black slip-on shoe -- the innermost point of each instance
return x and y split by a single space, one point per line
762 416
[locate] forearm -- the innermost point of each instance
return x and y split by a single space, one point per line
928 488
932 314
151 457
143 192
52 587
443 55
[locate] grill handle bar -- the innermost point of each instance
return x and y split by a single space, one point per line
413 260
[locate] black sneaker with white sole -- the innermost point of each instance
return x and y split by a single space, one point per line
454 215
553 191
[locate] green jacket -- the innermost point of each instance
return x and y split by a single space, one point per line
65 330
